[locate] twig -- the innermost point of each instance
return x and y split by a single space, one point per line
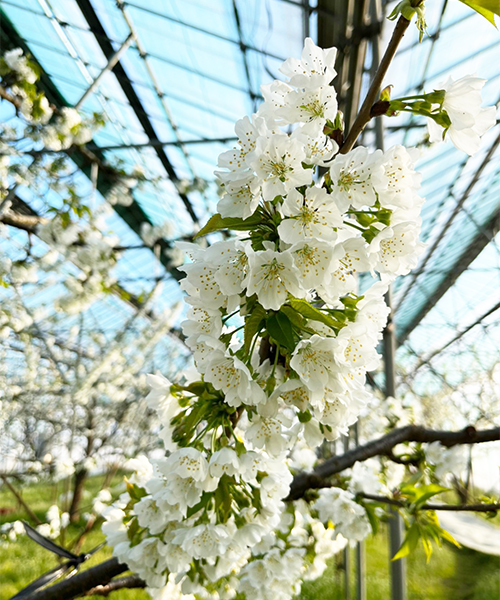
381 447
364 115
449 507
19 498
129 582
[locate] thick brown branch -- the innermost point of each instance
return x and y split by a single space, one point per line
448 507
383 446
27 223
80 584
364 114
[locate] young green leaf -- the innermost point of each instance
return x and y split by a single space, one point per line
252 325
419 495
280 330
305 309
216 223
487 8
410 542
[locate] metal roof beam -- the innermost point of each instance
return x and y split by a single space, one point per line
457 337
479 242
133 215
345 24
460 202
125 83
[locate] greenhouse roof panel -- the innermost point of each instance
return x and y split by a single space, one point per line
196 66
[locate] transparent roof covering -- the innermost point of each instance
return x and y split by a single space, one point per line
194 67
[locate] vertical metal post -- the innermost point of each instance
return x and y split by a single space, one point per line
398 567
360 547
347 549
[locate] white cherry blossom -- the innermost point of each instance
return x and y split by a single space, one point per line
202 321
231 261
277 160
351 259
397 180
351 178
319 149
229 374
224 462
314 361
469 120
314 261
314 69
272 276
395 250
241 197
314 215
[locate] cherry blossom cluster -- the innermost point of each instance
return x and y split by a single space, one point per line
281 341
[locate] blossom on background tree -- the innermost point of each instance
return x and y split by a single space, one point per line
72 398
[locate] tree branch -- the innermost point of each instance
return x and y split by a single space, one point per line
382 447
129 582
364 113
20 499
448 507
27 223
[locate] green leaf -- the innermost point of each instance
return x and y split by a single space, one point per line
134 491
446 535
426 543
216 223
196 387
487 8
410 542
372 517
419 495
280 330
223 498
252 325
132 531
305 309
297 319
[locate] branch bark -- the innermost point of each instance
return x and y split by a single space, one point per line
383 447
128 582
364 114
447 507
27 223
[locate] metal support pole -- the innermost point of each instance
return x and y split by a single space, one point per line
360 546
398 567
111 63
360 571
347 549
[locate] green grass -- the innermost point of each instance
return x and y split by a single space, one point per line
450 575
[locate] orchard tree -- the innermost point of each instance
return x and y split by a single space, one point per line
72 396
